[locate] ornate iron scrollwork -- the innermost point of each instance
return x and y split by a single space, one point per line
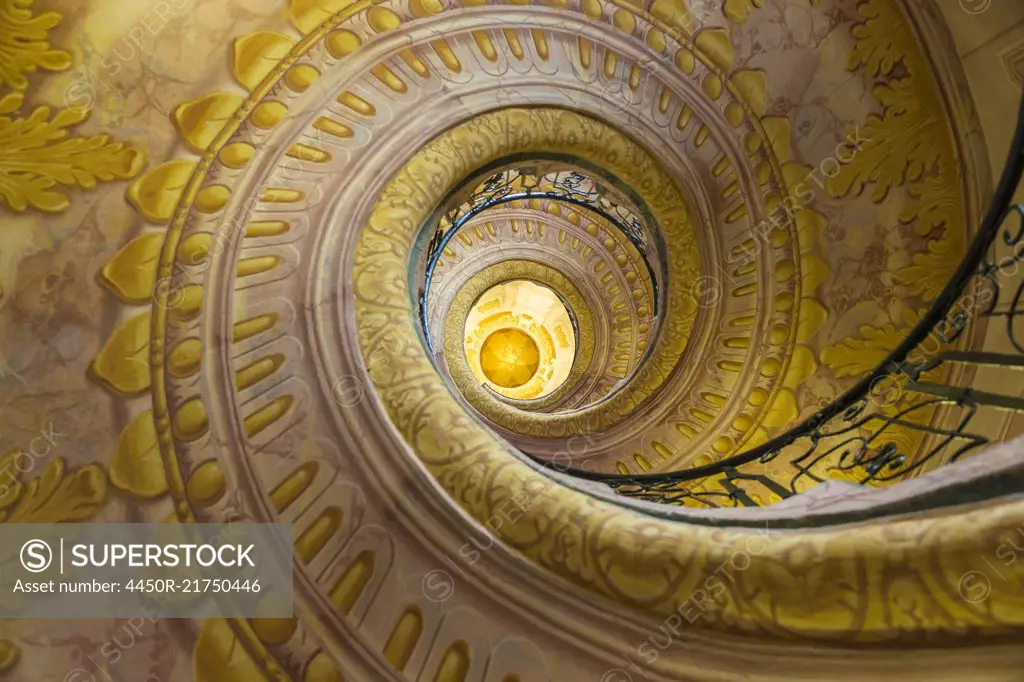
537 181
861 437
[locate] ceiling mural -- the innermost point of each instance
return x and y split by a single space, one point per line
373 268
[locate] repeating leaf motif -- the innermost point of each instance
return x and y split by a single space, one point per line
23 46
856 356
56 496
155 193
37 155
908 146
200 120
256 55
306 15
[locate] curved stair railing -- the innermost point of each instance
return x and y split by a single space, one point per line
858 436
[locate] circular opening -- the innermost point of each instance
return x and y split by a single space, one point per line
509 358
593 191
520 340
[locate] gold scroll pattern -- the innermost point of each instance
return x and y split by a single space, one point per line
836 585
827 584
59 494
910 147
41 159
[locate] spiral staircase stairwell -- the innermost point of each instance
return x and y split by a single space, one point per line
577 339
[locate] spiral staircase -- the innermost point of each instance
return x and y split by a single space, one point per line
577 339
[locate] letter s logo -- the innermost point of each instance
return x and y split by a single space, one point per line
36 556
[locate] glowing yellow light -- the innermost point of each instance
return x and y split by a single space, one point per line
509 357
520 340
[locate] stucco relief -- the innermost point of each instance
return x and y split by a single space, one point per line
238 254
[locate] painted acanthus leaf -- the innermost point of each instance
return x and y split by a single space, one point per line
38 156
56 496
858 356
23 46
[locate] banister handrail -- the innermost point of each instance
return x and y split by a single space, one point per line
1000 209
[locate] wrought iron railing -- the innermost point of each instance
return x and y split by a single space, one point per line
868 434
536 180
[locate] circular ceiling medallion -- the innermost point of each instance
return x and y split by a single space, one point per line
509 357
520 340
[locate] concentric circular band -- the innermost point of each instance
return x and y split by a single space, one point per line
457 312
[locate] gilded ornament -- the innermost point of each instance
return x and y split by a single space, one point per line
752 85
23 48
256 55
156 192
649 563
717 46
198 121
858 356
38 157
122 365
542 130
306 15
131 273
56 496
908 145
137 466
